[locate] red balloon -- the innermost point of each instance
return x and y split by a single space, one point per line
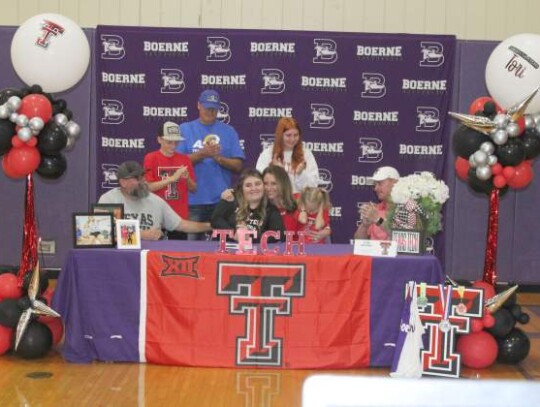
509 172
36 105
478 104
478 350
5 339
488 319
462 168
8 170
499 181
476 324
32 142
16 142
522 177
497 169
489 290
9 286
23 160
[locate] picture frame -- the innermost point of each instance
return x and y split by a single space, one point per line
116 209
409 241
128 233
91 230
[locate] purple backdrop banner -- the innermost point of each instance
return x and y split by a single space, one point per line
363 100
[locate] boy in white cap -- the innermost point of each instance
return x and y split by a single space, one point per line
170 174
374 225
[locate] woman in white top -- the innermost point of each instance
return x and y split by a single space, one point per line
288 152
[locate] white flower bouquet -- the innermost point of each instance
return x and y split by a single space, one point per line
418 199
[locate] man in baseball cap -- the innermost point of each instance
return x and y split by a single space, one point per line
213 146
373 215
152 212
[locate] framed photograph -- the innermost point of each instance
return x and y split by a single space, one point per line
128 234
409 241
116 210
93 230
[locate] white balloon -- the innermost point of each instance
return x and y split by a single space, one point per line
487 147
513 129
480 158
24 134
512 71
484 173
50 50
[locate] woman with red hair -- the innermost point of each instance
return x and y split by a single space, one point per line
288 152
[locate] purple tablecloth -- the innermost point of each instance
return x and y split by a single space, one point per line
98 292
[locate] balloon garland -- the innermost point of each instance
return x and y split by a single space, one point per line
494 150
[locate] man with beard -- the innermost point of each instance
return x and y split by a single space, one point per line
153 213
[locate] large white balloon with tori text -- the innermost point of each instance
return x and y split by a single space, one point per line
513 71
50 50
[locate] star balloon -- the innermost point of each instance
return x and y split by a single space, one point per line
36 307
486 125
496 302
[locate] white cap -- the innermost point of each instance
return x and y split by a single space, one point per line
383 173
171 132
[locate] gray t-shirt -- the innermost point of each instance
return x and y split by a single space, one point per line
152 211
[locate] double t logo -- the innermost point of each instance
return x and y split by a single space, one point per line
261 292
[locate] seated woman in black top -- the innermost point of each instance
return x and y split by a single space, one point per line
250 208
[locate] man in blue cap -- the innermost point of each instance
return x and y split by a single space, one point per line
215 152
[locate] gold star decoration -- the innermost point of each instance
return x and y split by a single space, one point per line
485 125
497 301
36 307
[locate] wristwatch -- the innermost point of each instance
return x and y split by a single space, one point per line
379 222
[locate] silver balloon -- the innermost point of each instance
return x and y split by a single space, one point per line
529 121
500 137
484 173
487 147
536 118
480 158
70 143
14 103
24 133
4 112
22 120
513 129
501 120
73 129
472 163
492 160
36 123
13 117
61 119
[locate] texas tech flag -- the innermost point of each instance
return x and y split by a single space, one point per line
254 310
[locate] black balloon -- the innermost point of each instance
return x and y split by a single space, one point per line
514 347
466 141
478 185
504 322
36 341
515 310
524 318
36 89
6 93
52 166
9 312
511 153
52 139
490 108
24 303
59 106
531 144
7 131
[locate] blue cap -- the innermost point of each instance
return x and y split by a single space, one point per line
209 99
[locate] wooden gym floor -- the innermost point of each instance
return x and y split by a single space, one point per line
52 382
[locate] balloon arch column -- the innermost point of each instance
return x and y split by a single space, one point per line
35 129
495 147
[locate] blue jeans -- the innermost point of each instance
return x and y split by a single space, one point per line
200 213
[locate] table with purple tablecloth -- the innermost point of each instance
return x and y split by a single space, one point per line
102 301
